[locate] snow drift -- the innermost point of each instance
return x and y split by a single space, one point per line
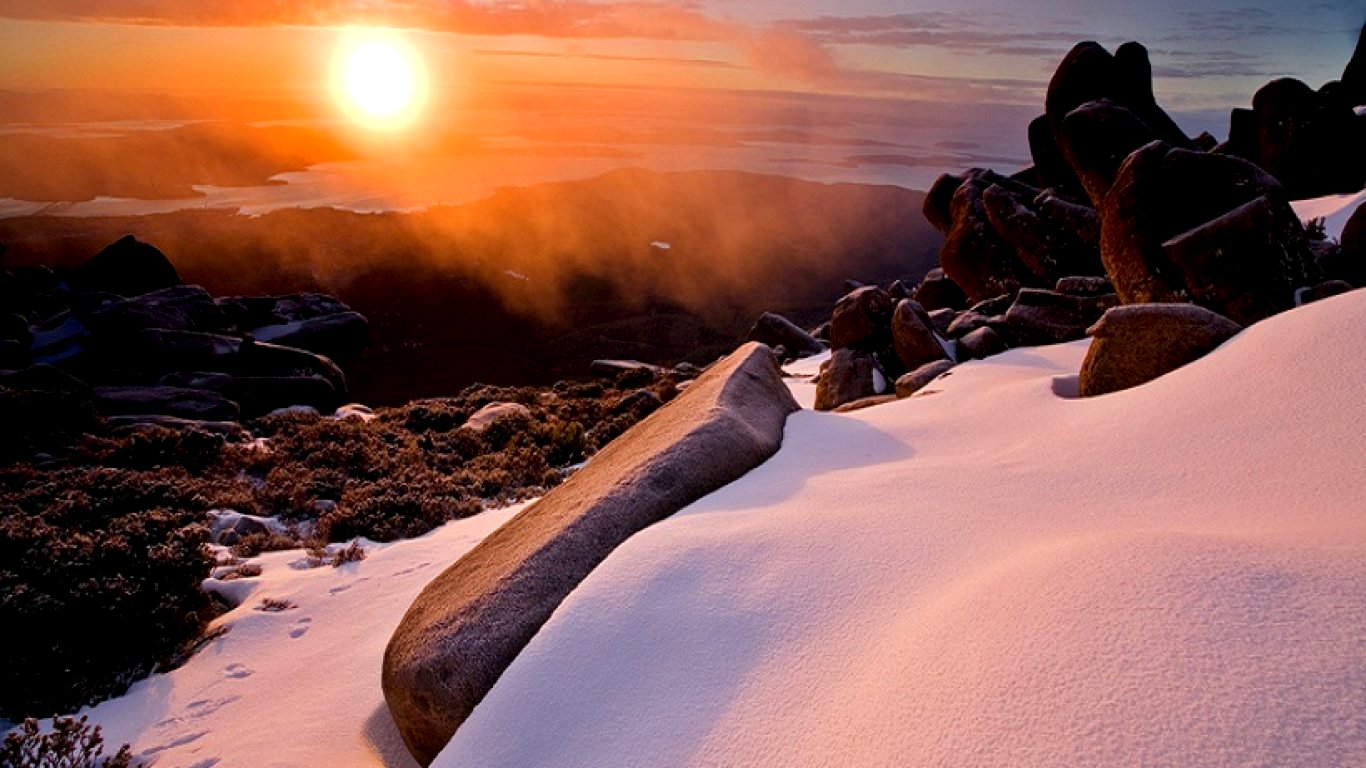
989 574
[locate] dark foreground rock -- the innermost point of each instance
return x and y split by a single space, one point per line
471 622
775 331
1137 343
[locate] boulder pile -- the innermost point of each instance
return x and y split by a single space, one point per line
124 331
1160 244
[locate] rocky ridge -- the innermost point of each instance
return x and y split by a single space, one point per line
1120 210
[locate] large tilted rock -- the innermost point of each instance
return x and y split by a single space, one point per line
1160 193
471 622
1137 343
1246 264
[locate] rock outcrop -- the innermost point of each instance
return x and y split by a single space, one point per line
471 622
154 347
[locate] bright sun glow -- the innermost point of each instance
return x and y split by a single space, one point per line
379 79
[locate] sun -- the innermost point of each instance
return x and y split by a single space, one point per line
379 79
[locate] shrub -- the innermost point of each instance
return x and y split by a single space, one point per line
71 743
91 549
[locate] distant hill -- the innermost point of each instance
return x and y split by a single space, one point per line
533 283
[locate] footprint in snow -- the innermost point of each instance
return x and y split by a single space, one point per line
237 671
300 628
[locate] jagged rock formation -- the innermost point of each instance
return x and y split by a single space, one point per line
153 347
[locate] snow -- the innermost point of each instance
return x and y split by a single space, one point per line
984 574
993 575
1335 210
295 687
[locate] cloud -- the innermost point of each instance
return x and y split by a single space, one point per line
947 30
551 18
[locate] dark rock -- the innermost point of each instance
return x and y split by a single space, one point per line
966 323
937 207
61 340
259 395
1096 137
775 330
847 376
247 312
974 255
127 267
1089 73
1323 290
867 402
1080 221
633 370
1046 249
1137 343
1050 165
822 332
1205 142
1354 76
1045 317
1349 262
640 403
42 377
852 285
862 320
913 336
178 308
1246 264
339 336
1162 192
898 290
470 623
996 305
941 319
916 380
937 291
228 430
194 404
15 328
981 344
1312 143
307 306
1084 286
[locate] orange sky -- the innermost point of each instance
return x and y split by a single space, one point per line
974 50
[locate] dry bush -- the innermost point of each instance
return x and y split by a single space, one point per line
72 743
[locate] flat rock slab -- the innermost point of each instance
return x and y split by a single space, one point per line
469 624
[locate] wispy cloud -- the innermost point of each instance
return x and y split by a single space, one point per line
565 18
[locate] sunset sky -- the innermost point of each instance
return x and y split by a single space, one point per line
870 91
927 49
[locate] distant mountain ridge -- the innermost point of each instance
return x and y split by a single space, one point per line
533 283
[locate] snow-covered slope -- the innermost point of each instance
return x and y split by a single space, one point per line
297 687
990 574
986 574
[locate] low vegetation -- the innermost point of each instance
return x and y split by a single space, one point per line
72 743
103 528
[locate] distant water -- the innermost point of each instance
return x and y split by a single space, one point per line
902 144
